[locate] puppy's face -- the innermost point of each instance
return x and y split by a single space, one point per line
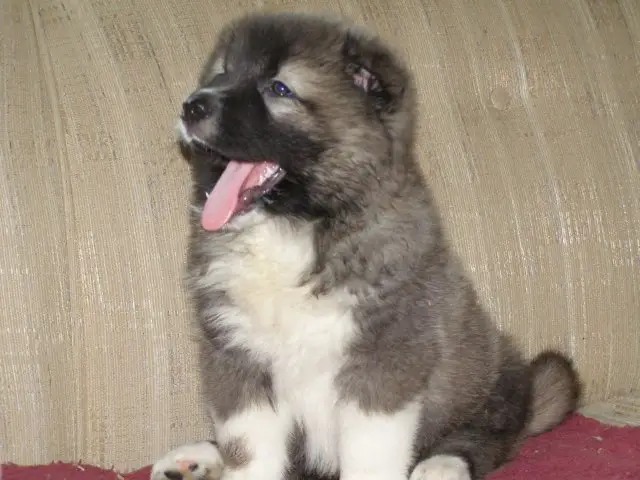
293 114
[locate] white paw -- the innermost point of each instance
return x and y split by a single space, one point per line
195 461
441 467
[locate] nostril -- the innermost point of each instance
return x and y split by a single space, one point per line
196 109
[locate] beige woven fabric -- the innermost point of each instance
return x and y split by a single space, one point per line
623 411
529 133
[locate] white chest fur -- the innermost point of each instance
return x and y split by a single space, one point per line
302 337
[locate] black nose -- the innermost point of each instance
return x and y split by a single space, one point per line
196 108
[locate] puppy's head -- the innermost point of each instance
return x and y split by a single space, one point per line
297 115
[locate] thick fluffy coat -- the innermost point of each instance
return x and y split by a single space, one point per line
338 334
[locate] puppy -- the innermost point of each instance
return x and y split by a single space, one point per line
338 334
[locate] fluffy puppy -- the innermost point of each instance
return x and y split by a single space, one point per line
338 334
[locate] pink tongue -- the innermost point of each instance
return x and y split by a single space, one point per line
224 200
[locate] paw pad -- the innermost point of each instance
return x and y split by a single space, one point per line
200 461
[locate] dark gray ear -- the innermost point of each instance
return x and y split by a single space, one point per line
374 69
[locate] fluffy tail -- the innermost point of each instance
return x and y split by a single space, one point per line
555 391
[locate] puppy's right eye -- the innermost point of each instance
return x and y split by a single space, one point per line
279 89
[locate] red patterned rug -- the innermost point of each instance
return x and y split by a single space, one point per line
580 449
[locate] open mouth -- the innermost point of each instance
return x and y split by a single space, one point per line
237 189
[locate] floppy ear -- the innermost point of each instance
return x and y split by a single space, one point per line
374 70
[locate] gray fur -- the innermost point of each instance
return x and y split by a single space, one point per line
422 333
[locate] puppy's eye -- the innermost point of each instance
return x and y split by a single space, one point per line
279 89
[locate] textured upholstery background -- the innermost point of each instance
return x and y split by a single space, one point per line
529 134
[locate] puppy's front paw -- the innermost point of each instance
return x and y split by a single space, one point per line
441 467
195 461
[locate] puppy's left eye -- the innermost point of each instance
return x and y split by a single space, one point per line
279 89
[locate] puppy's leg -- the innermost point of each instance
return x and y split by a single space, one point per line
377 445
469 453
442 467
251 431
254 444
200 461
251 445
488 438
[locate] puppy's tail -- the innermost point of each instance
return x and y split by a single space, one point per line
555 391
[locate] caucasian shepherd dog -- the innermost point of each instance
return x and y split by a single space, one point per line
338 334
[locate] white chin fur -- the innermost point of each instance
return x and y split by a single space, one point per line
252 218
183 134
